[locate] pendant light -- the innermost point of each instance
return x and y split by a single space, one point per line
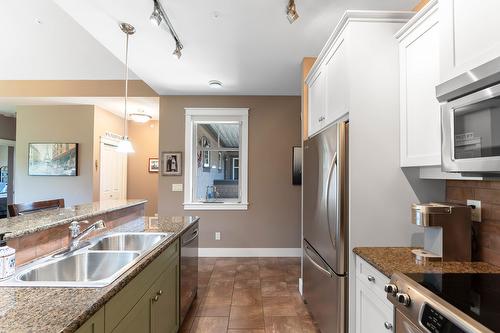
125 146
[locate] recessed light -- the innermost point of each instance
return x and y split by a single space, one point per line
215 84
38 21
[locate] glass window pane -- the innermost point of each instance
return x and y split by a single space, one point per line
477 129
217 147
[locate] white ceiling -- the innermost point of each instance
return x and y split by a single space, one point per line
57 48
150 105
250 46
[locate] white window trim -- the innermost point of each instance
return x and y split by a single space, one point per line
194 115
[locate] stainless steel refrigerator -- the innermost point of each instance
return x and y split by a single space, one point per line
325 209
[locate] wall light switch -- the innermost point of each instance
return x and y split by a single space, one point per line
476 211
176 187
217 235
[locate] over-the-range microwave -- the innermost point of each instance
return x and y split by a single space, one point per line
470 121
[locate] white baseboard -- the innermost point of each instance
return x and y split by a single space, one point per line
249 252
300 286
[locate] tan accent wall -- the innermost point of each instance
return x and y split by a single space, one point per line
421 4
307 64
486 247
68 123
142 184
104 121
7 128
273 217
73 88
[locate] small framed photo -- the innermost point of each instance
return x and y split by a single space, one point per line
154 165
171 164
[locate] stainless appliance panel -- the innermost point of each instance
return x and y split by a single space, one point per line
471 132
189 269
404 325
324 292
324 193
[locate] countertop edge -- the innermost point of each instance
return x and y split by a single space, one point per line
123 280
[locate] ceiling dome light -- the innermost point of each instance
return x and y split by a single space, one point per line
291 12
140 117
215 84
155 17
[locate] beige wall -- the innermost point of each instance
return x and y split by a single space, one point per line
104 121
54 124
140 183
273 217
7 128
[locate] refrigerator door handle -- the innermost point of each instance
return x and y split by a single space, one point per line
315 264
328 182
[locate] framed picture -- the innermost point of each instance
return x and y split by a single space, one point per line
154 165
53 159
171 163
297 166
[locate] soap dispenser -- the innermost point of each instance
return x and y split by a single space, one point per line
7 258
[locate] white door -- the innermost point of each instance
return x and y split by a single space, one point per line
336 83
113 173
420 112
372 315
317 102
469 35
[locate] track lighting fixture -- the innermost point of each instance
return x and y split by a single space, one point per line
157 17
291 12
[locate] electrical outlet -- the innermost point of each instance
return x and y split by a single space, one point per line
176 187
476 211
217 235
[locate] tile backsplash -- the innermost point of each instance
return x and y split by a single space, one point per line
486 245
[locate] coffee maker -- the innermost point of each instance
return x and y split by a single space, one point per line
447 231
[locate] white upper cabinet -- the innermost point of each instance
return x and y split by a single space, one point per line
419 74
317 102
469 35
336 82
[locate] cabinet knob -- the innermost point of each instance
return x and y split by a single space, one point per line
155 299
388 325
371 278
159 292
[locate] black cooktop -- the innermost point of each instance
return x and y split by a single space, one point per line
477 295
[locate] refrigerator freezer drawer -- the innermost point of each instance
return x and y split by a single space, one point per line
324 292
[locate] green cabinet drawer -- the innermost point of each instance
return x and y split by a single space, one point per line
123 302
165 301
94 325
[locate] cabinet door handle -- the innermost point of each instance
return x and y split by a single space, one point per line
159 292
155 299
371 278
388 325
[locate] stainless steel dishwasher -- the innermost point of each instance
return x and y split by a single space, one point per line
189 269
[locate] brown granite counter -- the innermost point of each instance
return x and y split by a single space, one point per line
31 223
390 259
45 309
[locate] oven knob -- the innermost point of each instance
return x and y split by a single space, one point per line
391 288
403 299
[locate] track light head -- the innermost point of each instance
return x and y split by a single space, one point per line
291 12
178 48
155 17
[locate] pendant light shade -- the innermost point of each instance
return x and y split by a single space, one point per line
125 146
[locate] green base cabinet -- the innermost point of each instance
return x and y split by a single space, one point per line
147 304
94 325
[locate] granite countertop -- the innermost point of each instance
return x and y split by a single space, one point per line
45 309
31 223
391 259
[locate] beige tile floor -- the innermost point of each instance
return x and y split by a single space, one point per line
248 295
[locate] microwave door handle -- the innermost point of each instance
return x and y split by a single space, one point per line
333 167
315 264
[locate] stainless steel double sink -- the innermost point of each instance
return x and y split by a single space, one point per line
96 264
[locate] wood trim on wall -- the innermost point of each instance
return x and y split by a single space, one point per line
73 88
307 64
419 5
